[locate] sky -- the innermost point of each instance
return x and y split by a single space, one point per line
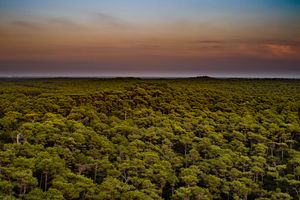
173 38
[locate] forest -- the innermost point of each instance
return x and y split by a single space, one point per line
131 138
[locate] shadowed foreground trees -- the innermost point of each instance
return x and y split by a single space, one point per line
149 139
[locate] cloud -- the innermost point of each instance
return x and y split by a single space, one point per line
111 21
63 22
27 24
43 24
209 41
277 49
280 50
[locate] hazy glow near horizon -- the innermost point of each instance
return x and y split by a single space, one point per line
145 38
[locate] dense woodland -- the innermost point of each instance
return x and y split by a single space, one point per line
126 138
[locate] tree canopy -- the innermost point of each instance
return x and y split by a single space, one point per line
149 139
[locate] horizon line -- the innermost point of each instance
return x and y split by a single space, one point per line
143 77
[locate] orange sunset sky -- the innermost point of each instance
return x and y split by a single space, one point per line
259 38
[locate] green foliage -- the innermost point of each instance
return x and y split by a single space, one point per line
149 139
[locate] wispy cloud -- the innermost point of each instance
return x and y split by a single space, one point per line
63 22
111 21
209 41
45 24
27 24
270 50
280 50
